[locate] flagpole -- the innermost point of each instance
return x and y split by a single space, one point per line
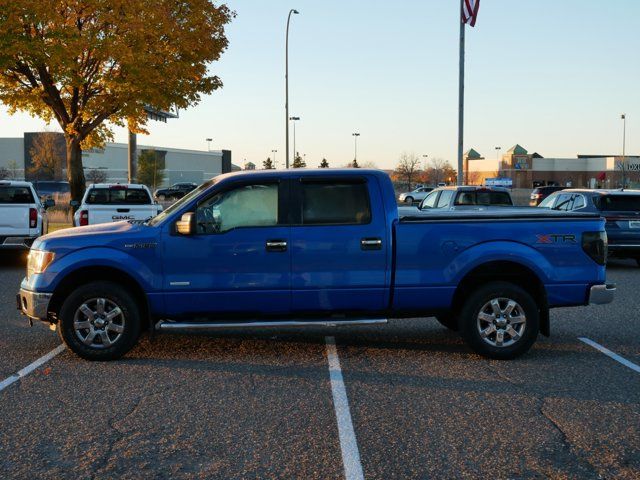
461 100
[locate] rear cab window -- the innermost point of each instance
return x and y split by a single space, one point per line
335 202
15 195
118 196
484 197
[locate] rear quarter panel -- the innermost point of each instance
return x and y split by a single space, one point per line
433 257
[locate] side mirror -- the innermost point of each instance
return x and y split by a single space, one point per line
49 202
187 224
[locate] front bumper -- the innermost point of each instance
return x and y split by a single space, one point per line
602 294
33 304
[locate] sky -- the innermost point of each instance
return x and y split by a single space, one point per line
553 76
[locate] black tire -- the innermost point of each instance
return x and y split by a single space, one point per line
449 321
128 322
471 322
409 200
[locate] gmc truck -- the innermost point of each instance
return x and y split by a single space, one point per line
304 248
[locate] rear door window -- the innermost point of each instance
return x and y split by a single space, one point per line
15 195
335 203
118 196
618 203
445 199
493 198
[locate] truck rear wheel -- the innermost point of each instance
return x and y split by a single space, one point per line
500 320
99 321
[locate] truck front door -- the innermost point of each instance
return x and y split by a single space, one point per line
238 261
340 246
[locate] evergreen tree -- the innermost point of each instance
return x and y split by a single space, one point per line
355 164
268 164
324 163
298 162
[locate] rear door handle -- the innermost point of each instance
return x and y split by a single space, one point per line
276 246
371 244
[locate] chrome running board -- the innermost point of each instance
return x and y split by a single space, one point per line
165 326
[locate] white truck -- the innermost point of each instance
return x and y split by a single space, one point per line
22 215
113 202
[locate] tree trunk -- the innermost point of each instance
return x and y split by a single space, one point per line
75 172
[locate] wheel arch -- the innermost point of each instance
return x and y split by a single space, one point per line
506 271
103 273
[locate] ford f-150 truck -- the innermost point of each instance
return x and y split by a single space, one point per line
313 247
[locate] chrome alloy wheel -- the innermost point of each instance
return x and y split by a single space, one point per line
99 323
501 322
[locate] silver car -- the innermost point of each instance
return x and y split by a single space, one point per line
415 196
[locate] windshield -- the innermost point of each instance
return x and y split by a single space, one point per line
184 200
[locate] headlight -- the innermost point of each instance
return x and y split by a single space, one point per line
38 261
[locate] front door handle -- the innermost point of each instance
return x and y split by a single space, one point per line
371 244
276 246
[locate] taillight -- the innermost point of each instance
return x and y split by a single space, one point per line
33 218
84 218
595 244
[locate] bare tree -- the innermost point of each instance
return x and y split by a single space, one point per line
4 173
439 170
96 175
407 167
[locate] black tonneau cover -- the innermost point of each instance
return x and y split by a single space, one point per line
501 213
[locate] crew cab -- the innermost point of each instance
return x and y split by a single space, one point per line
300 248
22 215
113 202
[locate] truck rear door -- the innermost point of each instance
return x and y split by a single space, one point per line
340 245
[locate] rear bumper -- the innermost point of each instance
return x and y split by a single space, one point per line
33 304
602 294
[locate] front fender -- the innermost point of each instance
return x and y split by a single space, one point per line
140 271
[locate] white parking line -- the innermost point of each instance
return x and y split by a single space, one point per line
610 354
348 443
30 368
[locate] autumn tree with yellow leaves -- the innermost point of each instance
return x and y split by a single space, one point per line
92 64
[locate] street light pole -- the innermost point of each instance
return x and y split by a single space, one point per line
275 163
294 120
209 140
355 141
286 81
624 144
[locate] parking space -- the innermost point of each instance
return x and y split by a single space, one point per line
250 404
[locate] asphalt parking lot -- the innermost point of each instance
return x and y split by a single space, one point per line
405 400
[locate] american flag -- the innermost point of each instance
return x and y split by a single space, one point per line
470 11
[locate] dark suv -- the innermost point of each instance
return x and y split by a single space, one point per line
620 208
175 191
540 193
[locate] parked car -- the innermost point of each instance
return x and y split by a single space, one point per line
461 198
48 188
620 208
238 250
22 215
540 193
109 202
175 191
415 195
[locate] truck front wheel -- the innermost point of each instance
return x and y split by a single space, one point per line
99 321
500 320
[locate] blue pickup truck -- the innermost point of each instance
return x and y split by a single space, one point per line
313 247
